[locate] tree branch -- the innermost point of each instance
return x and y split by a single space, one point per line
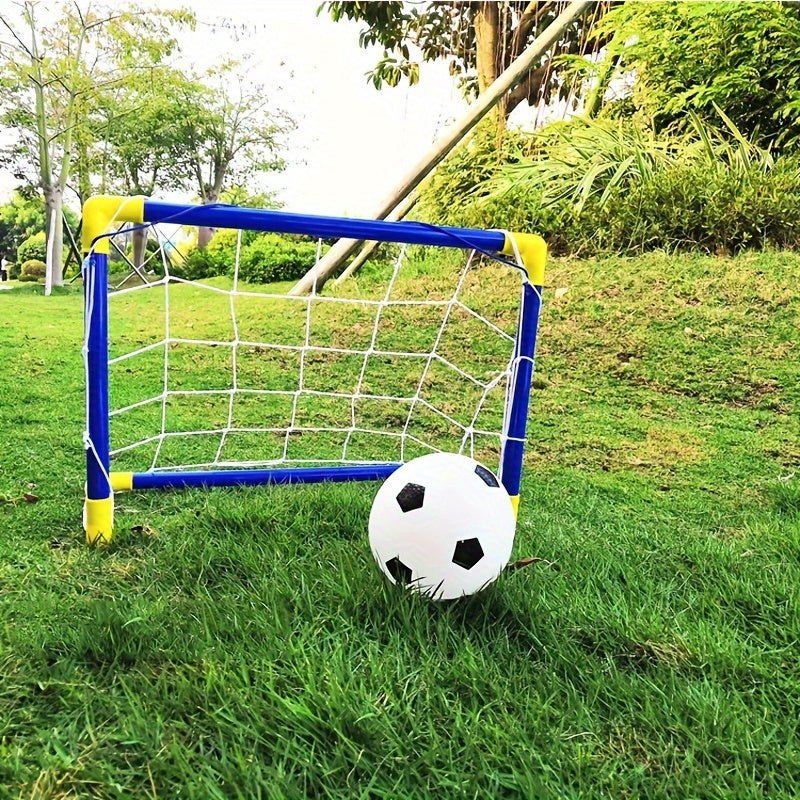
528 21
529 88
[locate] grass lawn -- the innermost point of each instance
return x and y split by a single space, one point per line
242 643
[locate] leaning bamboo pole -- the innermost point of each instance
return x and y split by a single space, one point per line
515 72
394 215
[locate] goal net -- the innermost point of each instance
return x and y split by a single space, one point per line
218 381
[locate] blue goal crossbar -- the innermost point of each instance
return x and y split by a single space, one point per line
103 215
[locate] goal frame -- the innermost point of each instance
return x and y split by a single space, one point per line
102 216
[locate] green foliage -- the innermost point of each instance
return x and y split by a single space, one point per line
455 32
229 137
24 218
33 269
273 257
743 57
610 186
20 218
54 98
263 258
448 198
34 247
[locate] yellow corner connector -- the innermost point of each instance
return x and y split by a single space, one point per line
515 504
533 252
101 211
98 521
121 481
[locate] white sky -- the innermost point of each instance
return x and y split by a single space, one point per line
353 143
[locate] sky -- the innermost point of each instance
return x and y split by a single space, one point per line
353 143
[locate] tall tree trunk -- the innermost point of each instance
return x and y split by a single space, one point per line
54 207
487 50
204 236
139 241
204 233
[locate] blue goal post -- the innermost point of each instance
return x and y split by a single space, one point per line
103 216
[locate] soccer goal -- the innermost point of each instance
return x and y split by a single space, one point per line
221 382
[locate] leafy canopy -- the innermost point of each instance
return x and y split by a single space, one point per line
742 57
479 40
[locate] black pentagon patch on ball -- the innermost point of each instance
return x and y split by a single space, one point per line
411 497
487 476
398 570
468 553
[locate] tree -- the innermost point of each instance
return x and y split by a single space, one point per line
52 74
740 57
230 131
479 39
24 216
20 218
136 129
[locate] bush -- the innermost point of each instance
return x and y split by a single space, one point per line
449 197
13 270
218 257
273 257
34 247
607 187
263 258
33 269
198 264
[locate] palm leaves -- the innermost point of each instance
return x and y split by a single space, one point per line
587 160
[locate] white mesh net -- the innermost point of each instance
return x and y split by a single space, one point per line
405 360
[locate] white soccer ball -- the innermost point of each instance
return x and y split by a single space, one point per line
443 525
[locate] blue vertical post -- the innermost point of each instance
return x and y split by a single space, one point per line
99 216
99 497
524 353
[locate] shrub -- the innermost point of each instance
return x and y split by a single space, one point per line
34 247
198 264
33 269
218 257
263 258
595 188
13 270
274 257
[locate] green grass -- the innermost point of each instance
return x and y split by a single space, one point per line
241 643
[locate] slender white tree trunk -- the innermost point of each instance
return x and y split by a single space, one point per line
54 206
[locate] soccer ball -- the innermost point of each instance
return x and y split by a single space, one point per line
443 525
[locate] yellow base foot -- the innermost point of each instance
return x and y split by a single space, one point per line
98 521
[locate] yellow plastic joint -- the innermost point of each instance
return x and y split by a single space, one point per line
101 211
515 504
98 521
532 251
121 481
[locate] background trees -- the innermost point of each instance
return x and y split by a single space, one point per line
92 100
55 69
689 140
96 100
229 130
